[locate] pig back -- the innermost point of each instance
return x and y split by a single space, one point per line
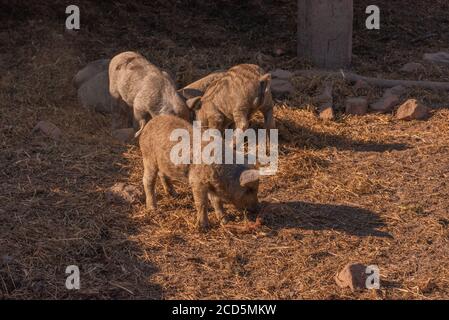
156 146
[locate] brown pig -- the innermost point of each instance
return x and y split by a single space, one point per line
231 183
148 91
234 97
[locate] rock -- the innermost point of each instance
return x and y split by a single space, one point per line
412 67
122 193
281 74
412 109
389 100
357 106
397 90
49 129
281 88
325 102
441 58
353 276
94 93
361 84
89 71
124 135
385 104
327 113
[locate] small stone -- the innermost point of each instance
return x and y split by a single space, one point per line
412 67
124 135
385 104
441 58
389 100
123 193
397 90
411 110
353 276
357 106
327 114
281 74
49 129
281 88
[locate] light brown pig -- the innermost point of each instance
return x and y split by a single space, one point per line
232 183
234 97
143 87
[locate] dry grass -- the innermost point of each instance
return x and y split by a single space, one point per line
360 189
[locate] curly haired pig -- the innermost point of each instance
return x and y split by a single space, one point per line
233 97
145 88
231 183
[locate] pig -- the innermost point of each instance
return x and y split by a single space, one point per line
231 183
234 97
197 88
136 83
90 71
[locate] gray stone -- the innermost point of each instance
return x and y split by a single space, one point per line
281 88
389 100
281 74
94 93
441 58
356 106
412 67
49 129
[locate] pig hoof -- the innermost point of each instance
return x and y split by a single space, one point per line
151 208
202 227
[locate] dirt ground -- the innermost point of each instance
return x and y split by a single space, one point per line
366 189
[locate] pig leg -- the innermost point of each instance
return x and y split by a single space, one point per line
149 183
241 122
200 198
140 115
168 187
217 204
268 119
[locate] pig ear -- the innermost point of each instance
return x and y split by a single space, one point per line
264 87
188 93
194 103
249 177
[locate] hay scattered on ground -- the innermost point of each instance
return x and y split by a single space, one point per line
360 189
